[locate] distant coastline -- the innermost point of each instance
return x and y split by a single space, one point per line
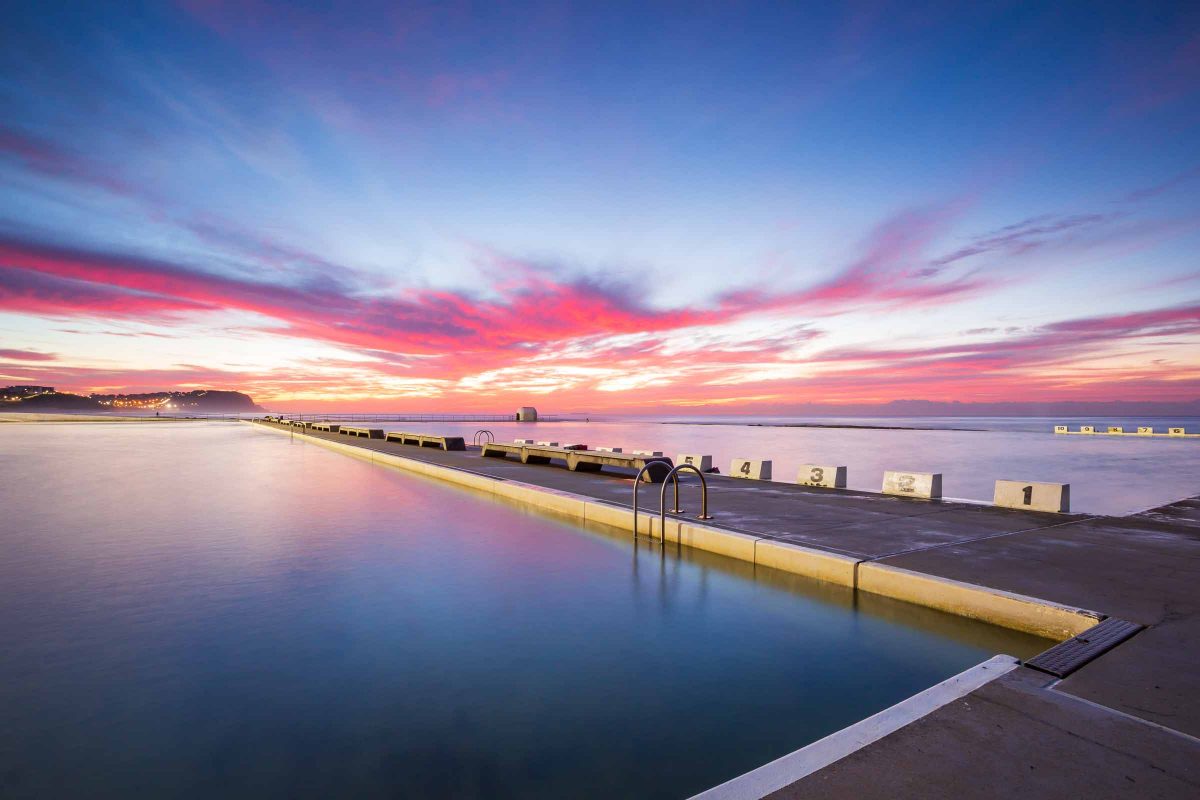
824 425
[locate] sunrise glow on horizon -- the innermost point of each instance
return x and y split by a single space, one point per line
602 207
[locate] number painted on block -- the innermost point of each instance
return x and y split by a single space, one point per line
818 475
1028 492
905 482
745 468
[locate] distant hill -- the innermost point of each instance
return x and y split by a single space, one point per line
203 401
55 401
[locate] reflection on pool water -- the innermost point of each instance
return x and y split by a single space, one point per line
210 610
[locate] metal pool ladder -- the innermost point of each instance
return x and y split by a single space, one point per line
483 436
662 500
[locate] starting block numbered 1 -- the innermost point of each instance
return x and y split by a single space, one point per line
816 475
1033 496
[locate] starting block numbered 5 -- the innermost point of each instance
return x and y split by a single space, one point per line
702 463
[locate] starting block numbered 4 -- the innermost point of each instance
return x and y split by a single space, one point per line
749 468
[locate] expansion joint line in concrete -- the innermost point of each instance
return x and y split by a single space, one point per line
984 538
1053 687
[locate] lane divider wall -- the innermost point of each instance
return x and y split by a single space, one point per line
1032 615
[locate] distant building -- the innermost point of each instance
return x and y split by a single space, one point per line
527 414
13 393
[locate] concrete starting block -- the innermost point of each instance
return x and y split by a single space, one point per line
927 485
1115 429
1087 428
650 453
828 477
1033 496
1145 431
544 444
524 441
702 463
608 450
1061 429
749 468
1176 432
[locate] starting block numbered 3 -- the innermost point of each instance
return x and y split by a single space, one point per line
816 475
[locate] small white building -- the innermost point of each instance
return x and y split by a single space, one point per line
527 414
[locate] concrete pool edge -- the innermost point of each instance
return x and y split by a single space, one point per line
1005 609
799 764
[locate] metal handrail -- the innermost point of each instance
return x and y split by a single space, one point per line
672 476
475 440
637 482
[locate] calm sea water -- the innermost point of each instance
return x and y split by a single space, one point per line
211 610
1108 474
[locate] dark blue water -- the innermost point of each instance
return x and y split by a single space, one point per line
210 610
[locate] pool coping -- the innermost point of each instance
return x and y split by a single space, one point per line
1006 609
799 764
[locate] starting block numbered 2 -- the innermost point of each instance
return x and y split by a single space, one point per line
927 485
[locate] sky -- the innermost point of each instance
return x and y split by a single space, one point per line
606 207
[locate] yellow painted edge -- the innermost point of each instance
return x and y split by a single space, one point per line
1007 609
805 561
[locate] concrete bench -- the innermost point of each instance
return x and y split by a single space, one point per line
580 460
367 433
427 440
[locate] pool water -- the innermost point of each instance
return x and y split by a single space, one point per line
207 609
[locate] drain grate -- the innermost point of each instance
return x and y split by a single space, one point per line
1066 657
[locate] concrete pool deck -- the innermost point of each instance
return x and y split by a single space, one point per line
1125 724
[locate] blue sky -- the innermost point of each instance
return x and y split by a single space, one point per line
760 204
